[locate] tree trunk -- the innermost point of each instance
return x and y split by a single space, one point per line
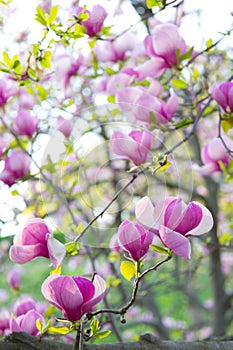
23 341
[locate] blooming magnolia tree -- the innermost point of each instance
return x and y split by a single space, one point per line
116 178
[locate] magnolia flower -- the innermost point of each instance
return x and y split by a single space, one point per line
134 239
214 153
13 278
65 126
26 323
25 124
95 20
134 146
164 42
17 165
36 240
223 95
73 295
4 321
173 221
22 306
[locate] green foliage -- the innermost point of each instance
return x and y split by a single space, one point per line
95 330
179 83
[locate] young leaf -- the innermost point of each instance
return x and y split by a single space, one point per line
178 83
160 250
128 269
59 330
53 14
152 3
103 334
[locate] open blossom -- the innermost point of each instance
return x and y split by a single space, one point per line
25 124
4 321
17 165
134 146
73 295
95 20
214 153
164 43
36 240
8 88
223 95
144 105
133 238
173 221
26 323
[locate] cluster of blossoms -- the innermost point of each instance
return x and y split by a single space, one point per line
149 106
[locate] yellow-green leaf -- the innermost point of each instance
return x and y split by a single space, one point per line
53 14
103 334
158 249
227 125
59 330
178 83
128 270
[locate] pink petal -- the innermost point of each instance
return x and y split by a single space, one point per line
100 291
175 241
190 220
171 106
35 232
205 224
85 286
174 213
23 254
57 251
144 212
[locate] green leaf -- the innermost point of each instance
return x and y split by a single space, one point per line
184 123
6 58
41 91
178 83
53 14
111 99
72 248
160 250
128 270
209 43
39 326
227 125
152 3
94 326
59 330
103 334
40 16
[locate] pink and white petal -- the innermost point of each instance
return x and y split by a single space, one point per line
172 105
206 169
14 327
144 212
166 39
191 219
216 149
152 68
174 213
57 251
206 223
100 291
47 292
148 43
179 244
35 232
23 254
85 286
160 208
29 322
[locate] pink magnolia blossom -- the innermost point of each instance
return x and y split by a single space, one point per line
134 239
25 124
36 240
94 22
173 221
164 42
17 165
134 146
223 95
13 278
65 126
4 321
212 154
73 295
66 67
26 323
23 305
148 105
7 89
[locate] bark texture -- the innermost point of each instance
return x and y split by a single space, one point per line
23 341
